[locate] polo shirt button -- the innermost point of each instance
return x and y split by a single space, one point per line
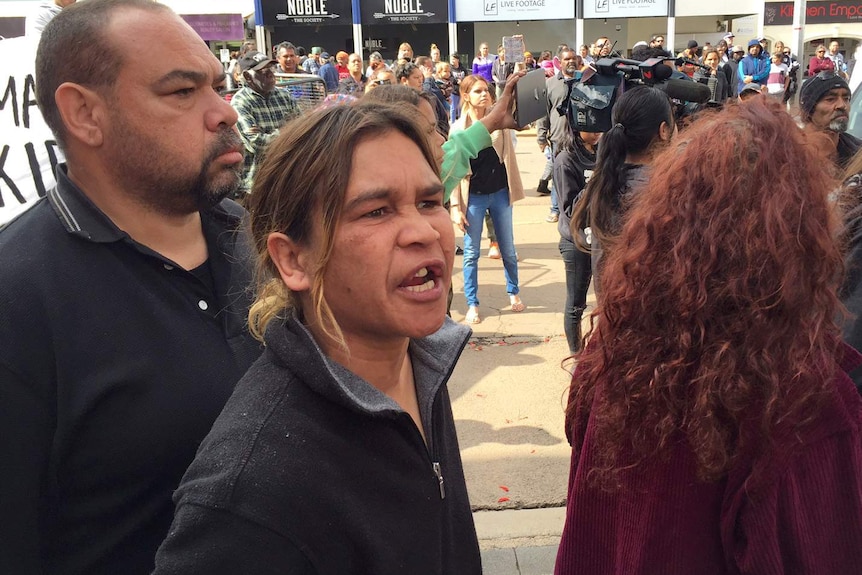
168 267
203 305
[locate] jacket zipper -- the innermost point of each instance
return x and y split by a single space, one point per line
439 474
431 450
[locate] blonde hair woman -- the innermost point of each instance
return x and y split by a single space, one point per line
493 185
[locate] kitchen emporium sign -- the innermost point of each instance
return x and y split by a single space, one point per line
404 11
510 10
304 12
842 12
624 8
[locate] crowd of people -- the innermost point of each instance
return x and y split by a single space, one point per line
190 385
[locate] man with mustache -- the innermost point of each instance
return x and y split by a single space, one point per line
123 293
824 103
551 128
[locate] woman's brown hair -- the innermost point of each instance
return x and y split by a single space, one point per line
717 320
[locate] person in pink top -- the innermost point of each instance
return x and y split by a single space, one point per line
714 427
819 62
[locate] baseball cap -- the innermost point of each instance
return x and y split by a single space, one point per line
738 49
691 44
751 88
255 61
316 50
728 36
324 55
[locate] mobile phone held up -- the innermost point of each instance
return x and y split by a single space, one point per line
531 98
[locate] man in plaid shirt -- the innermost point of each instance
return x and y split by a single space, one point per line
262 110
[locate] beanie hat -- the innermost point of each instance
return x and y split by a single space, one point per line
815 88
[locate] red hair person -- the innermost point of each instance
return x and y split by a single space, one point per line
713 424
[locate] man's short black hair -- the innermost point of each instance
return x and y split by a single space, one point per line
74 48
404 70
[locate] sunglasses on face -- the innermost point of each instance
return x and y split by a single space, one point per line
381 82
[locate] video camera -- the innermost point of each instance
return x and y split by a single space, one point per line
591 99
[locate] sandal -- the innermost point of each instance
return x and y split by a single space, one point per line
517 305
472 316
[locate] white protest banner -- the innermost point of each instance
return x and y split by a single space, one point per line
28 151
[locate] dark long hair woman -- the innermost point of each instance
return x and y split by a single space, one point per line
642 122
573 168
713 424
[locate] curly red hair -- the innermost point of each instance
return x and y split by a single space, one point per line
717 321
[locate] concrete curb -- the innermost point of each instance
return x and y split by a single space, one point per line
519 527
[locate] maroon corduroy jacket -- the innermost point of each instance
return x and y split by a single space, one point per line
803 515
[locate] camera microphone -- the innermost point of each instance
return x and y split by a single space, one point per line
682 60
685 91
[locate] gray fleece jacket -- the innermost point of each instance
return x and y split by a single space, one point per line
311 469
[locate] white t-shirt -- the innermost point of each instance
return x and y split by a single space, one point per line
775 80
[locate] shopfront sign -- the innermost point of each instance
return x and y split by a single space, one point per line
404 11
216 26
624 8
841 12
511 10
304 12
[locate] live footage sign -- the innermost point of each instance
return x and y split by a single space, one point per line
505 10
28 150
624 8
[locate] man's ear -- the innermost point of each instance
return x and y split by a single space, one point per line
83 112
247 76
293 261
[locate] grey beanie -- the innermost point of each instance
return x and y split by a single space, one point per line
816 88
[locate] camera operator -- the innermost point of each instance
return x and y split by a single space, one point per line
643 122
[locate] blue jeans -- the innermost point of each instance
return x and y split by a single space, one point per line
454 107
501 214
547 174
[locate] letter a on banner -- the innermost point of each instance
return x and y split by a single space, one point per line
28 150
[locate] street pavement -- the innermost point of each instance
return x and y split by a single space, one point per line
509 390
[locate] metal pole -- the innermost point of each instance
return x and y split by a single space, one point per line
357 29
579 26
452 26
799 7
670 37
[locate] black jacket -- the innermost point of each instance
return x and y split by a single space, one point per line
847 147
310 469
571 173
114 363
851 290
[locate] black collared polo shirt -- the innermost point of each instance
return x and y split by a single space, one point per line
114 363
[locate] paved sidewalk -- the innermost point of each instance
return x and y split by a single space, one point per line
508 393
519 542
